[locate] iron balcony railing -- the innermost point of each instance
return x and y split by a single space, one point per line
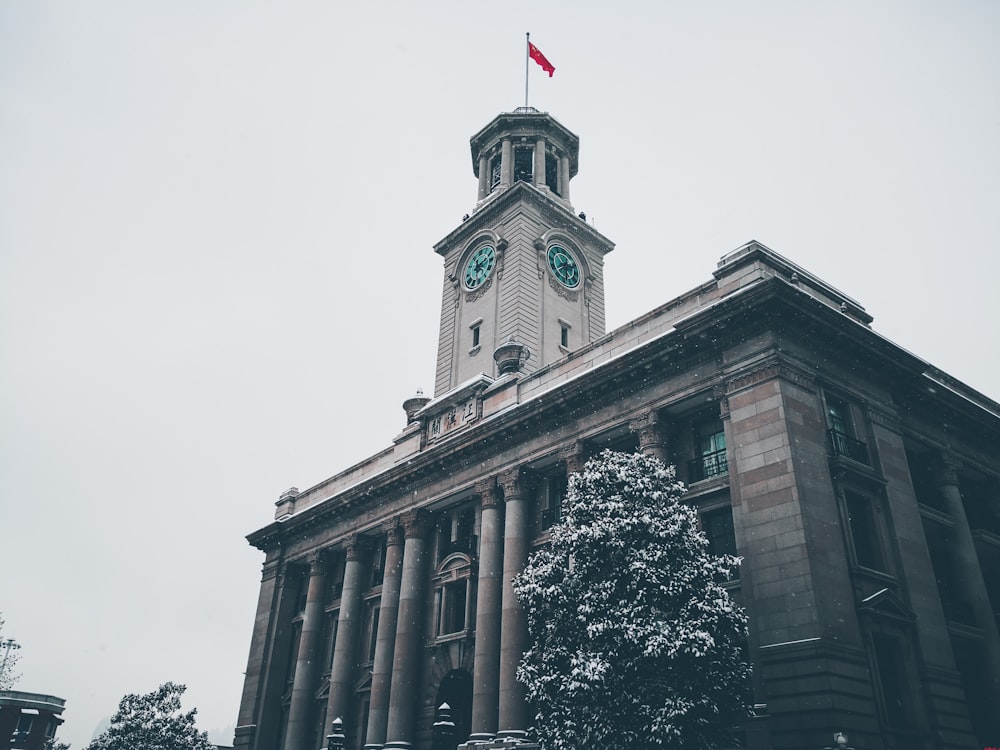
708 465
852 448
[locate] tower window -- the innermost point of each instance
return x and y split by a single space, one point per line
495 171
564 335
523 163
552 173
475 336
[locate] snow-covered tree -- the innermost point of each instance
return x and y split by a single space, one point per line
8 660
152 722
634 640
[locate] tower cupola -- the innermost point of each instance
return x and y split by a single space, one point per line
525 146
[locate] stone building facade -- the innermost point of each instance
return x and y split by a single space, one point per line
860 485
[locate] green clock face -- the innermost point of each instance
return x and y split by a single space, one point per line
478 269
563 267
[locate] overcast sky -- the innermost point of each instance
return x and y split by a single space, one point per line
217 281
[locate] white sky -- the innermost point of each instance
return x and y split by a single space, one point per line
217 281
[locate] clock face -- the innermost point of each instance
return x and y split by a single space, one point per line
478 269
563 267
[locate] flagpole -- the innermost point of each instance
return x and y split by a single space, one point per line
527 54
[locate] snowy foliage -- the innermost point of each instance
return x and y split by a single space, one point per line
8 660
634 641
152 722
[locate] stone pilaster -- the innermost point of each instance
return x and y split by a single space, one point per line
970 573
385 643
345 649
506 163
405 687
300 711
513 709
539 176
573 458
484 177
564 178
650 433
486 673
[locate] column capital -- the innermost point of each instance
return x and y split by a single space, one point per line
573 457
393 532
356 546
486 489
946 469
416 523
315 562
512 482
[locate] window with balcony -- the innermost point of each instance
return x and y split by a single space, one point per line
843 433
710 451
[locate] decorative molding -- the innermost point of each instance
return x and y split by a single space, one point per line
885 418
356 547
512 483
479 292
563 291
393 533
769 370
416 523
574 457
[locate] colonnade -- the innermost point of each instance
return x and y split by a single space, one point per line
499 707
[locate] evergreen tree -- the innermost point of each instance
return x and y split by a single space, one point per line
634 641
153 722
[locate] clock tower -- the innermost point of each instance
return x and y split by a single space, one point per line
523 268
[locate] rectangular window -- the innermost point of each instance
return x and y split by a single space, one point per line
335 579
549 498
564 336
24 722
371 631
718 527
454 597
897 697
378 565
475 336
710 451
865 537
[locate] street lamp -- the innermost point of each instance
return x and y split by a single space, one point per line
839 742
335 740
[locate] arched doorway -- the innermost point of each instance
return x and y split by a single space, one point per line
456 691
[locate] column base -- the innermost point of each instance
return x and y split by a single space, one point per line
373 747
514 734
397 745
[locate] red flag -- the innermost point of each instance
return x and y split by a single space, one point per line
536 54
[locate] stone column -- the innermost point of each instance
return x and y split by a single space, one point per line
484 177
345 649
486 673
538 178
404 693
300 710
970 576
564 178
506 163
651 442
513 713
385 643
